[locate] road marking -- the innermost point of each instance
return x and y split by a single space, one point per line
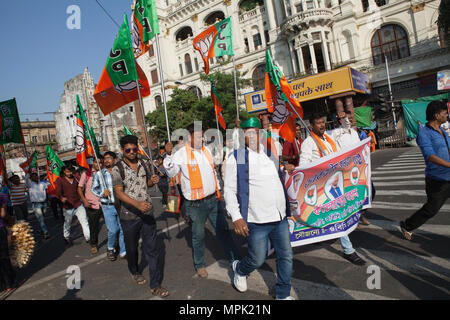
413 193
404 206
83 264
402 166
400 183
390 171
262 281
387 225
414 176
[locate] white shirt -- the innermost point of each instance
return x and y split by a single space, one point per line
177 162
349 137
37 191
266 195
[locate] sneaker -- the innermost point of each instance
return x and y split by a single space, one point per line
407 234
287 298
111 255
355 259
123 256
240 282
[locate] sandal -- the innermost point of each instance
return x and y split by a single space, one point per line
160 292
139 278
407 234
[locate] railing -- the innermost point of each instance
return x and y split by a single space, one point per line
302 17
260 10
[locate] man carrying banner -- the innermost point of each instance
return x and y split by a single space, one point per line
256 200
200 187
319 144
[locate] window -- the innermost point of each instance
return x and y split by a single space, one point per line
266 35
154 74
299 7
151 51
131 108
309 5
26 138
214 18
196 64
183 34
34 139
53 137
44 138
390 40
188 63
258 76
158 102
257 40
195 90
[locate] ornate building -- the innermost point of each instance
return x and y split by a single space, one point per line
305 37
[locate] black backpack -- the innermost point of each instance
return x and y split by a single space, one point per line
119 165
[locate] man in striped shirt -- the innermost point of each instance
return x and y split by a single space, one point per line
18 198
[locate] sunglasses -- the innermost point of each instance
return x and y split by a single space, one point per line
131 150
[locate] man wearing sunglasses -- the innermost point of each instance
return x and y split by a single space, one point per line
131 180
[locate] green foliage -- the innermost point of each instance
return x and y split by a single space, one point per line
183 107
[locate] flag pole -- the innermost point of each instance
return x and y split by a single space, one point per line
141 107
163 90
235 89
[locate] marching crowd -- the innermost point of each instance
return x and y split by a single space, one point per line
249 189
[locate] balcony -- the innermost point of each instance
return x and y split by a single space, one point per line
254 14
306 19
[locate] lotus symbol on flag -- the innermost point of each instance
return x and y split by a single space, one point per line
205 44
280 113
126 86
79 140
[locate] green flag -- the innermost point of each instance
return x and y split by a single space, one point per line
54 165
363 116
145 20
120 65
89 133
10 128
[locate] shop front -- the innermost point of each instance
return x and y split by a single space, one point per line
329 92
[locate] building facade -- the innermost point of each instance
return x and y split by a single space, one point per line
105 128
305 37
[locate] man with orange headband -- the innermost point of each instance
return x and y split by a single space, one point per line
320 144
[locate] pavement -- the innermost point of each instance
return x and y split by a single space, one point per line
408 270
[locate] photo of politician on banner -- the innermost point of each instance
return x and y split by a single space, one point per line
326 197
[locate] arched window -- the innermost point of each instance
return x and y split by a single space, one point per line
258 76
195 90
158 102
214 17
188 63
392 41
247 5
183 33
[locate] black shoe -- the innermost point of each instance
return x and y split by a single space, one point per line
111 255
355 259
46 236
68 242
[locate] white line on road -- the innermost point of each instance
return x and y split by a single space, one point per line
387 225
83 264
394 206
412 193
400 183
403 166
390 171
413 176
262 281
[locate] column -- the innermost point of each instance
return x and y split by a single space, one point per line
349 107
316 4
270 14
334 3
279 12
325 51
292 55
313 57
301 64
293 10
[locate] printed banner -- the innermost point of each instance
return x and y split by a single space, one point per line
326 196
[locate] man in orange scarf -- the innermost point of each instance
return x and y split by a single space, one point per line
200 188
318 145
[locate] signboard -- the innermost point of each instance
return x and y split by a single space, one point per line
443 80
326 197
317 86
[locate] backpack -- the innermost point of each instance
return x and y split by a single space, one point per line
119 165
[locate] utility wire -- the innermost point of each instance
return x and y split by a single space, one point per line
107 13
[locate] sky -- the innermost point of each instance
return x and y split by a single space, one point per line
39 53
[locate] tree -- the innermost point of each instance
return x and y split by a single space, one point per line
444 20
184 107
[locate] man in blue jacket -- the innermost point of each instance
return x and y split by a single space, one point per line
435 146
256 201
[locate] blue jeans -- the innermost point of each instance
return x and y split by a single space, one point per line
198 212
113 225
258 241
38 209
346 245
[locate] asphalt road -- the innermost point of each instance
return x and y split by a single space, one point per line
417 269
